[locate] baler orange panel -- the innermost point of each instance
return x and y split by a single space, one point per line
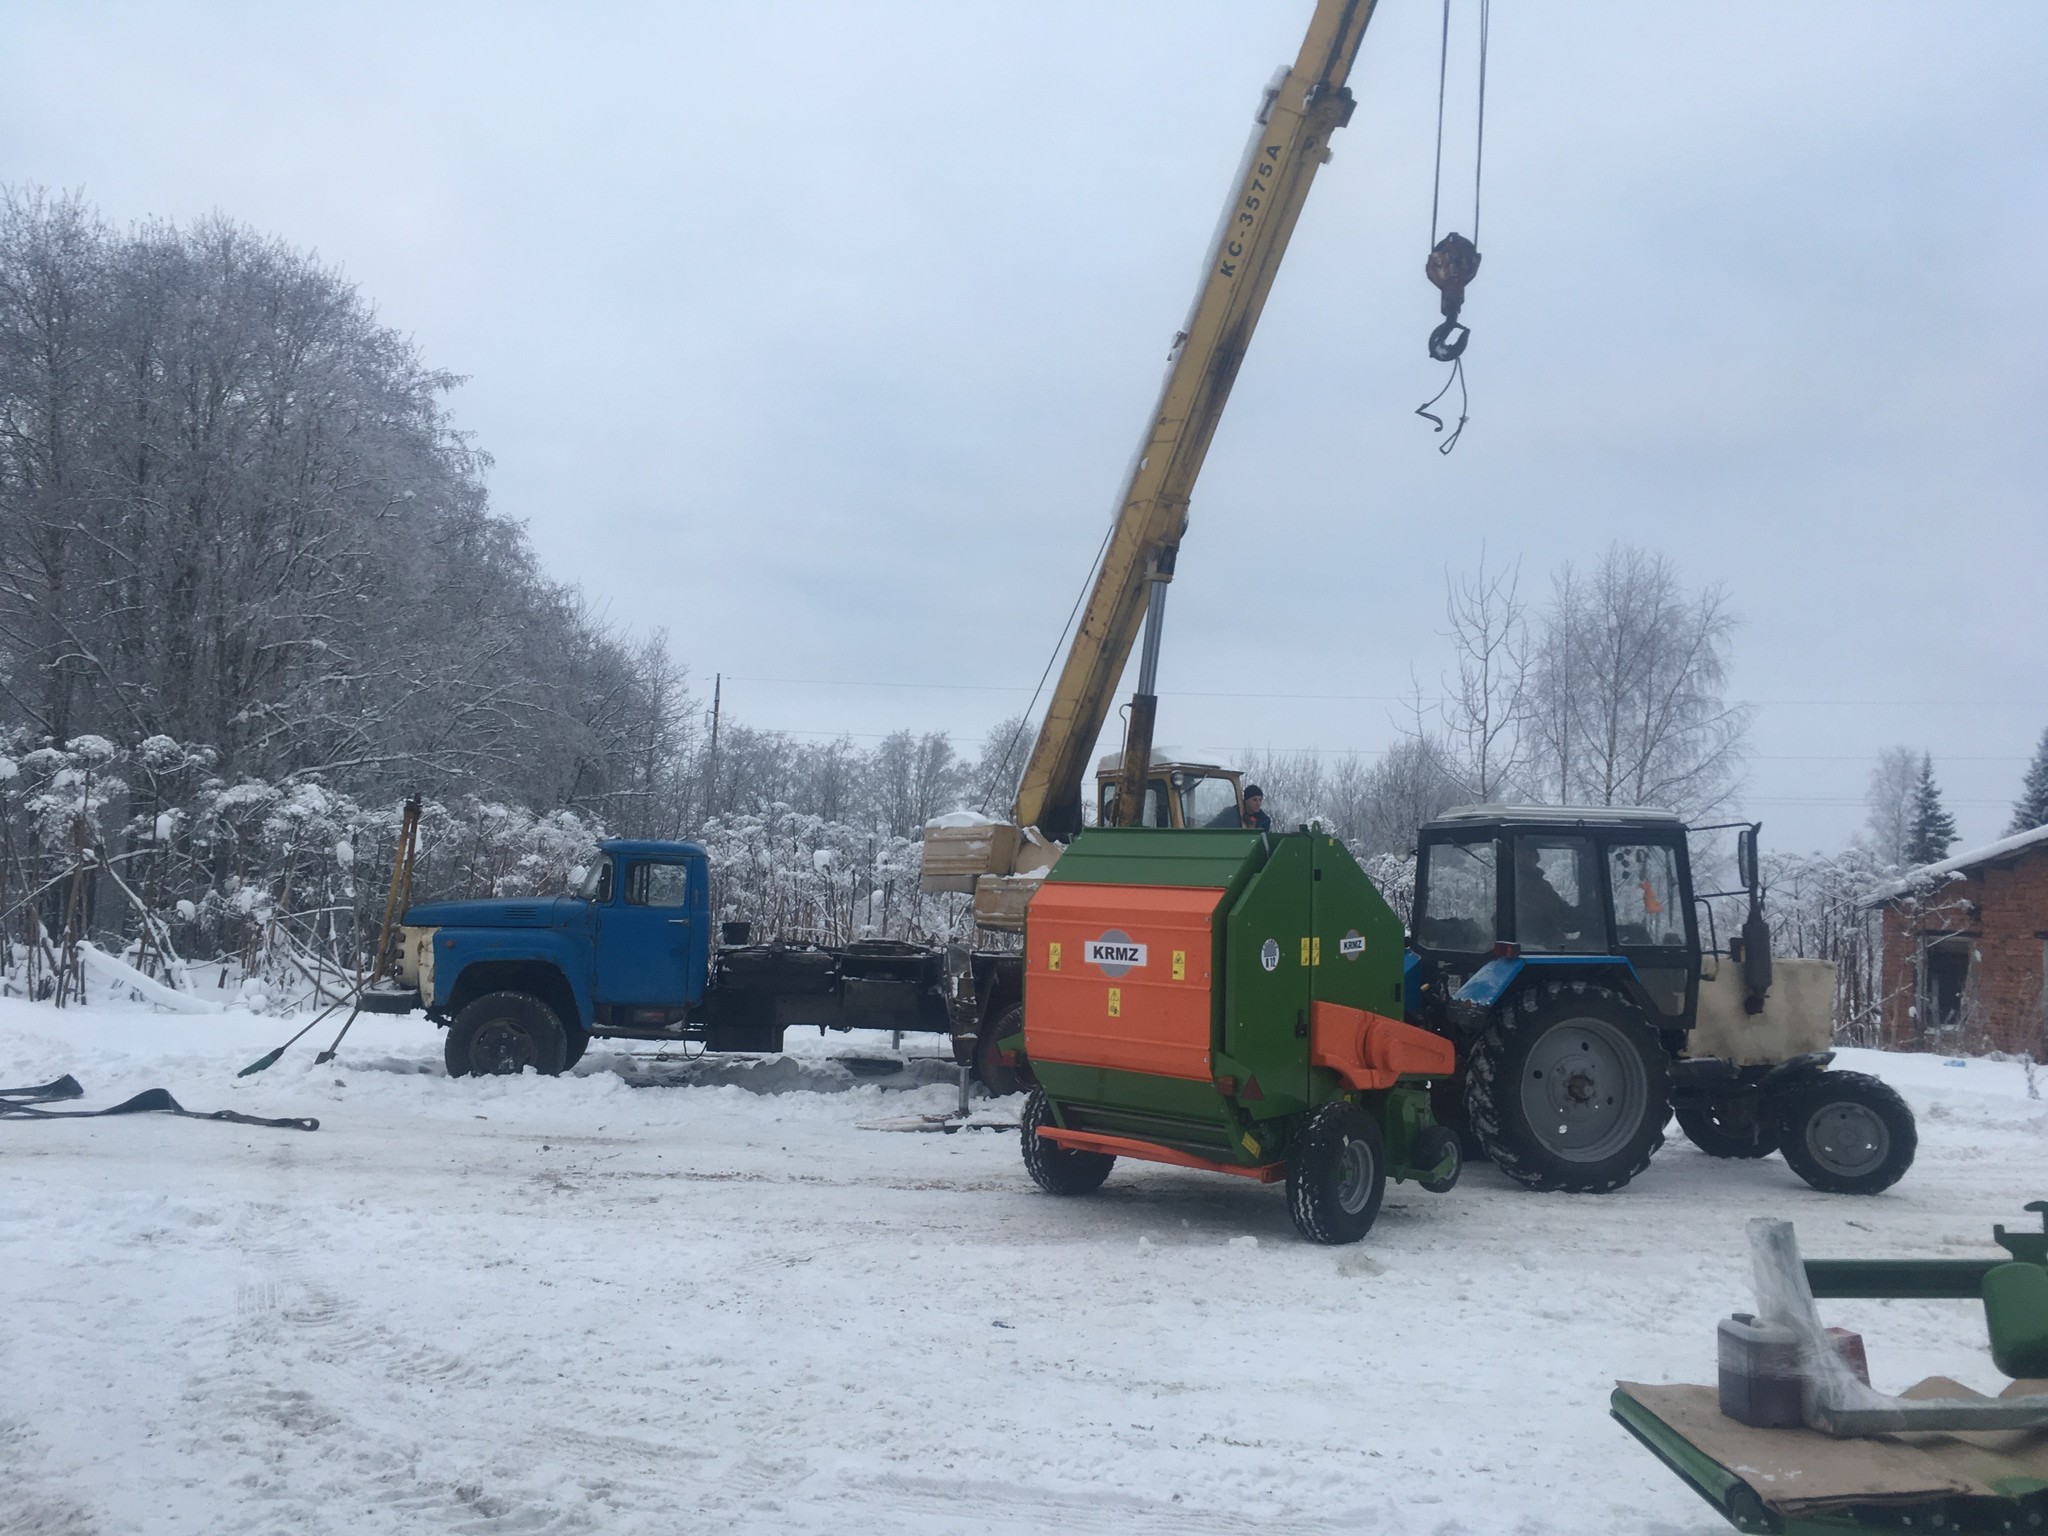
1118 976
1371 1051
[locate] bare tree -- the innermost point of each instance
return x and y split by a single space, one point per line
1487 699
1628 679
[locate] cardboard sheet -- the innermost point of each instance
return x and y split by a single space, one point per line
1799 1470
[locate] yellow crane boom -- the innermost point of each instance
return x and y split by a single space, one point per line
1289 141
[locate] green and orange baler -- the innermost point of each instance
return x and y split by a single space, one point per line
1230 1001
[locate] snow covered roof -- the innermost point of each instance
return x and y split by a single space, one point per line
1927 874
1162 757
1558 815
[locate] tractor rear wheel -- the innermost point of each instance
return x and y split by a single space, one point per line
1569 1088
999 1077
1728 1125
504 1033
1058 1170
1846 1133
1337 1174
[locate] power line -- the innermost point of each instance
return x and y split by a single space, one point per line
1372 698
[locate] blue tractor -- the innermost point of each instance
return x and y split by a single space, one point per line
1560 949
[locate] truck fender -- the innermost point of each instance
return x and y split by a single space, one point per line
551 965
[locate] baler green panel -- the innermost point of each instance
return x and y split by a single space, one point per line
1267 948
1357 956
1172 1111
1158 856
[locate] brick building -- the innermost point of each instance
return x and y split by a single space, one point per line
1966 951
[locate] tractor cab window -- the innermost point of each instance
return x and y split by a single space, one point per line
1154 812
1206 801
597 882
1158 810
1649 908
1557 906
658 885
1459 895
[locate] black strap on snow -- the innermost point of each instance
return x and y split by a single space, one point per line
65 1087
20 1104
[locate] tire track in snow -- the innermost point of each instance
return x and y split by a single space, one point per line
287 1363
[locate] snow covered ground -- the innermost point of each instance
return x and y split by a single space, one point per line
622 1302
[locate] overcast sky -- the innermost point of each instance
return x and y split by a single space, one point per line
821 334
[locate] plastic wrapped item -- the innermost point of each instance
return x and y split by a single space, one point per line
1833 1398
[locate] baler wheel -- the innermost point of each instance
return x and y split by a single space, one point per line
998 1076
1337 1175
1057 1170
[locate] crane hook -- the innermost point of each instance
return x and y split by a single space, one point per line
1453 262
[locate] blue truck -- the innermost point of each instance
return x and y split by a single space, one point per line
632 954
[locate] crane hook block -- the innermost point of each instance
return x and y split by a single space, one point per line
1453 262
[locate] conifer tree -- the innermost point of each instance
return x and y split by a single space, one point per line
2031 809
1933 830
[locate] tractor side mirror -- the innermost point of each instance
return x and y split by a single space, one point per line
1745 858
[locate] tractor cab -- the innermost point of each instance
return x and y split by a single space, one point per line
1561 886
1177 793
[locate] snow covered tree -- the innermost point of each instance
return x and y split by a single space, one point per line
1932 831
2031 809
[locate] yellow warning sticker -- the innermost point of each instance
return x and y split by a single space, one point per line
1316 951
1251 1143
1304 951
1052 957
1180 965
1116 1002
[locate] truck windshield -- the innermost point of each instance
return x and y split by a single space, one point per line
597 881
1458 897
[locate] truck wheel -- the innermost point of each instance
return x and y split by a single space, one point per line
1569 1089
1731 1125
505 1033
574 1043
997 1075
1337 1175
1846 1133
1057 1170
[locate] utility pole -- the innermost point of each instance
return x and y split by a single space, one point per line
711 760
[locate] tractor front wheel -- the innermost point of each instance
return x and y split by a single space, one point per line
1569 1089
1728 1125
1846 1133
1058 1170
1337 1175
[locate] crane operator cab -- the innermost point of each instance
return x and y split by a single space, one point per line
1177 794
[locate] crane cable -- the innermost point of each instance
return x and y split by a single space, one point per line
1454 260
